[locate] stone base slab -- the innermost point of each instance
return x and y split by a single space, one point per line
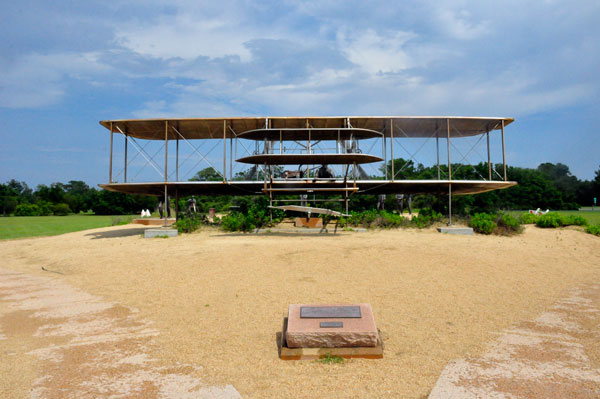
309 333
287 353
466 231
154 233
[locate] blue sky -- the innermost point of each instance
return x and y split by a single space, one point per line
66 65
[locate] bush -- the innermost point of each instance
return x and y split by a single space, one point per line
528 218
426 218
483 223
27 210
384 219
549 220
507 225
256 216
575 220
593 229
46 208
235 221
61 209
553 220
187 224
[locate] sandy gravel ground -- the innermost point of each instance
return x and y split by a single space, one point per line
88 348
218 300
542 358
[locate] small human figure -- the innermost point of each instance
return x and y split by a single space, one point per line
400 203
303 199
191 205
324 172
160 209
381 202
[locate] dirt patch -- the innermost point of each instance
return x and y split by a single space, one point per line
99 350
529 361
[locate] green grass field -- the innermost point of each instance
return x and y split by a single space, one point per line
37 226
593 217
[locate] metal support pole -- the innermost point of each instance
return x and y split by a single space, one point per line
504 152
125 166
392 147
449 176
224 150
487 136
385 155
308 149
450 204
176 205
448 142
177 159
437 150
231 158
166 203
111 153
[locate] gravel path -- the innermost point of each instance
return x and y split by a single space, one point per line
85 347
543 358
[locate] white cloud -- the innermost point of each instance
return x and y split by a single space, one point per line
379 54
184 36
37 80
459 26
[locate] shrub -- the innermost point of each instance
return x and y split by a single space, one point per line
426 218
234 221
188 224
46 208
27 210
257 216
507 225
575 220
549 220
593 229
483 223
61 209
528 218
384 219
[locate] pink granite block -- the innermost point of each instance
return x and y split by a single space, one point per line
309 333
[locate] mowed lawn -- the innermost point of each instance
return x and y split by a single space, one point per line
593 217
37 226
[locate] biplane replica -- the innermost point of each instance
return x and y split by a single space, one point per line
297 156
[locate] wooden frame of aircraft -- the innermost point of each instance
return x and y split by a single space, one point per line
269 136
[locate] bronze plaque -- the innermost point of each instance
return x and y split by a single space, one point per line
330 312
331 324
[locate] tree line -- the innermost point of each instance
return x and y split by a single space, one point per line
17 198
549 186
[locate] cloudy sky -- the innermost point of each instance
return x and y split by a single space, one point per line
65 65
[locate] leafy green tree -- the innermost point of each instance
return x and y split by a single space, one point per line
207 174
111 203
563 180
77 195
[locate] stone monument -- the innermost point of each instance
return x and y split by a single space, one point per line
313 331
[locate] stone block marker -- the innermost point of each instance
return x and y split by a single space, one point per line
465 231
160 233
331 326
